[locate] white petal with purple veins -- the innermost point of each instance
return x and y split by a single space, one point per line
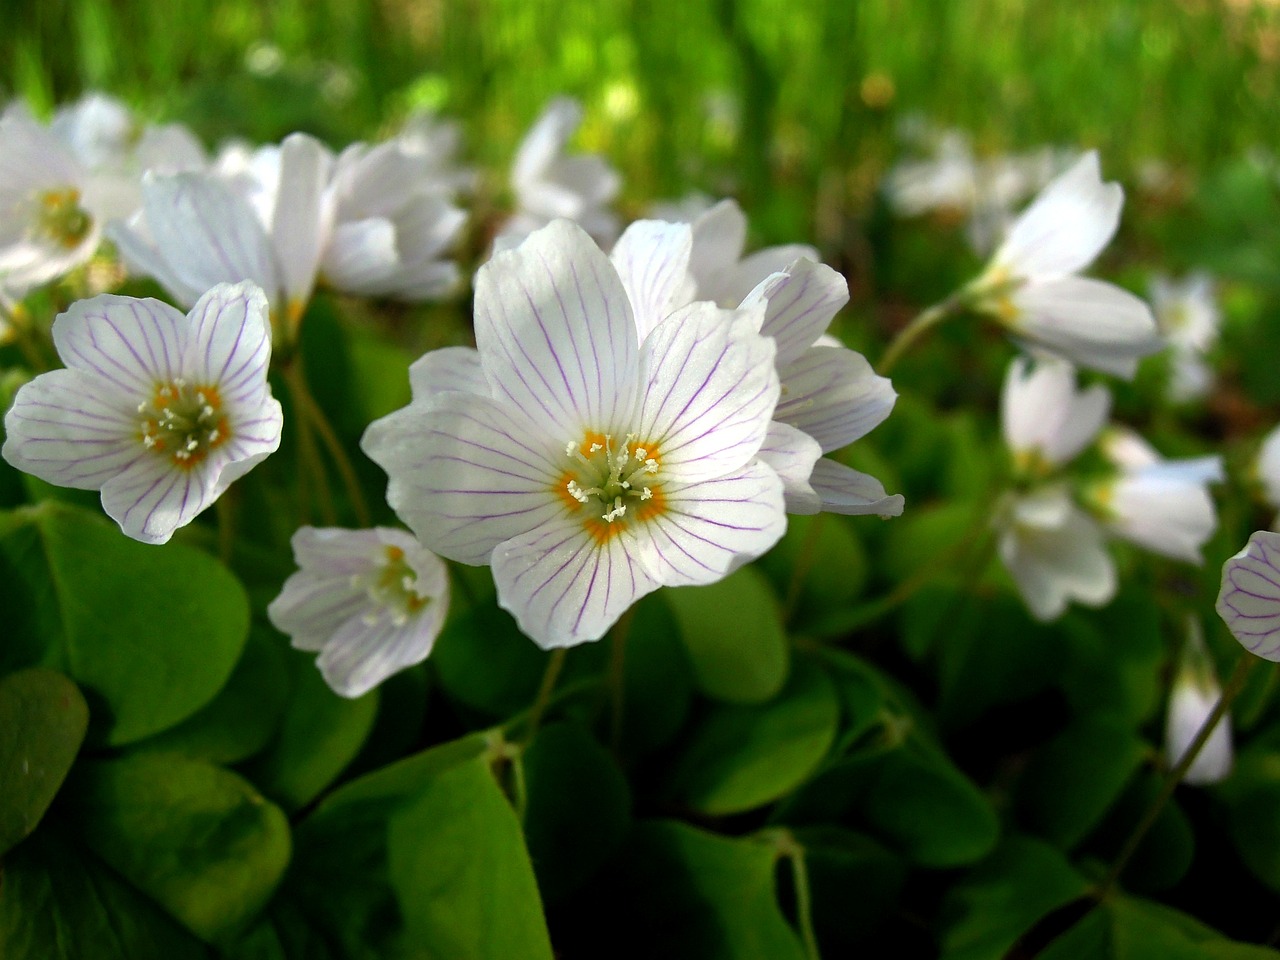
652 258
832 394
1249 601
131 344
449 368
851 492
792 453
300 222
802 301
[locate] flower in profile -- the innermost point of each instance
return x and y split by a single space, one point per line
1031 285
1194 695
1054 551
370 602
549 184
159 411
1187 313
47 227
595 449
1249 601
1046 421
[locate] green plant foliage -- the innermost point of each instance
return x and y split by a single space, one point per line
1250 797
197 839
840 861
733 633
742 757
144 665
42 723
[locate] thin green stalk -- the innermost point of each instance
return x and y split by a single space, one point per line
1230 691
804 563
786 845
225 508
312 467
329 437
543 699
925 321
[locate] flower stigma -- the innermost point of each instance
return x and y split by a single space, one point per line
183 422
61 218
611 485
391 587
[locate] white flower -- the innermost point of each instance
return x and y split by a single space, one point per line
46 229
598 461
1188 317
370 602
1031 286
1193 697
1249 601
436 143
116 149
1161 505
1046 421
549 184
1267 468
1054 551
159 411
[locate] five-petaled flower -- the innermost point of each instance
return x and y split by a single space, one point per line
159 411
587 464
370 602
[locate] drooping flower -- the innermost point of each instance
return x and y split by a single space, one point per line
607 454
549 184
1054 551
1249 601
46 229
1194 695
159 411
1161 505
370 602
1031 285
1188 317
1046 421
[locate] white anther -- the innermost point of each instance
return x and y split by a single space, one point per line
651 465
569 448
641 453
148 440
595 448
576 491
619 508
646 494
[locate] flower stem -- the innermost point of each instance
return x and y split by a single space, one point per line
1229 693
804 563
618 677
540 703
909 334
786 845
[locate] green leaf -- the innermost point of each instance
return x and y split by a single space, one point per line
742 757
486 663
197 839
320 734
840 861
1252 797
733 632
58 902
685 894
1114 658
42 723
461 873
1005 895
831 563
1074 779
150 633
658 676
578 807
1166 852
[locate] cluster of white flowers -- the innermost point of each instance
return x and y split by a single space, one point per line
1187 312
1053 529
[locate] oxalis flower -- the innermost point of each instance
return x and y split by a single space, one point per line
1192 698
1249 601
1031 285
587 465
370 602
159 411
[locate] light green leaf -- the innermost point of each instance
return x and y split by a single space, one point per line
733 632
42 723
197 839
742 757
461 873
150 633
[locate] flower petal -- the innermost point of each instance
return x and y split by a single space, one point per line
802 301
361 254
719 237
1088 322
555 332
207 233
712 527
1042 413
131 344
562 586
142 257
1065 227
1162 511
449 368
791 454
652 258
71 428
832 394
151 498
301 221
466 472
230 345
710 390
1249 601
851 492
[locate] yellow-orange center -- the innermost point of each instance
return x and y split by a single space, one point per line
610 484
183 422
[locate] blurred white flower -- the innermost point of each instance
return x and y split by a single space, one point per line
46 228
1187 313
436 142
1194 694
159 411
1047 422
1054 551
370 602
1031 288
550 184
1161 505
1249 601
599 462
